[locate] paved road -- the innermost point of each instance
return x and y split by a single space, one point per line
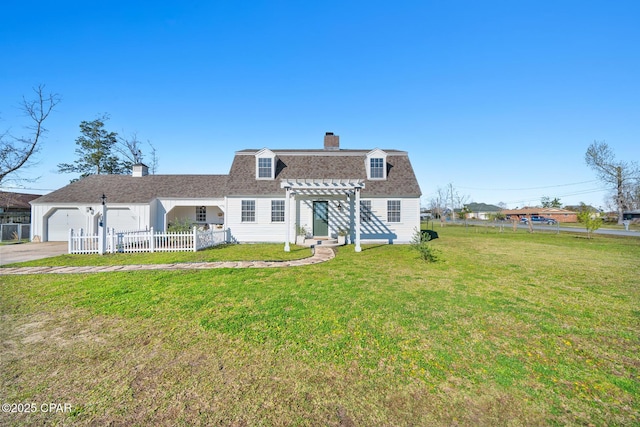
553 228
21 252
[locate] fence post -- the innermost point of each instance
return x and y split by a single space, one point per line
152 241
114 241
70 239
195 238
101 242
81 240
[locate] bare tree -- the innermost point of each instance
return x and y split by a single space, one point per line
154 158
16 152
457 201
438 203
621 176
130 150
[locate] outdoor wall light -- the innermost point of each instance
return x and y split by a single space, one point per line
104 199
339 206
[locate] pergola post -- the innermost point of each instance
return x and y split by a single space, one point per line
287 218
357 219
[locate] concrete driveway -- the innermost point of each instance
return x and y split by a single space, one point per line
29 251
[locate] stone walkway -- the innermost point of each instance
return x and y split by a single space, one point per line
321 255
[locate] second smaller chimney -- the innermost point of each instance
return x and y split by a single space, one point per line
331 141
140 169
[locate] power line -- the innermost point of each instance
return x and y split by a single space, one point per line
527 189
577 193
25 188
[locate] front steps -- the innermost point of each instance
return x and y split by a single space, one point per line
321 241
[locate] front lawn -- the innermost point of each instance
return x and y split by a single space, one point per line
506 329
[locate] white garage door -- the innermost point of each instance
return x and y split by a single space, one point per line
122 219
61 221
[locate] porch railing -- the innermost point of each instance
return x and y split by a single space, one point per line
145 241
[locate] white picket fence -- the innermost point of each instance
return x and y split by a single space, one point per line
145 241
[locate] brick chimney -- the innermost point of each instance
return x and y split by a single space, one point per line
331 141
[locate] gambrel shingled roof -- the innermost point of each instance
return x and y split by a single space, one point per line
321 164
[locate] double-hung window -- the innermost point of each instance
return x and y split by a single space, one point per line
376 166
277 211
393 210
264 167
248 211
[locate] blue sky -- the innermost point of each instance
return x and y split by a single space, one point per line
499 98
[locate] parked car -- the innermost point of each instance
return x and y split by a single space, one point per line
540 220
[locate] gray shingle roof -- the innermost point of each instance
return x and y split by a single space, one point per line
129 189
16 201
320 164
292 164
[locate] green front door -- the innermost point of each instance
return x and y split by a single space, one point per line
320 219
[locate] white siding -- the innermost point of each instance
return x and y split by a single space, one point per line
380 230
262 229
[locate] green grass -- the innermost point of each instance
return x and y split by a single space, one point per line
506 329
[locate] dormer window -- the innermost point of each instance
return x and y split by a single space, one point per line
265 167
376 164
265 164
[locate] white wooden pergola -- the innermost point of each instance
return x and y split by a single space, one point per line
322 187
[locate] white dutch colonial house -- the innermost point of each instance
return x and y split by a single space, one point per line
269 195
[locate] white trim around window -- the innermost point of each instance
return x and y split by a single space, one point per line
376 165
265 164
394 211
248 211
277 211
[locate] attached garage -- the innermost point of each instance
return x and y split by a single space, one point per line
61 220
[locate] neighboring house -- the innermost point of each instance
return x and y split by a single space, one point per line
267 196
15 207
560 215
482 211
578 208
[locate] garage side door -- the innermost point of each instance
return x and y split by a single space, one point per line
61 221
